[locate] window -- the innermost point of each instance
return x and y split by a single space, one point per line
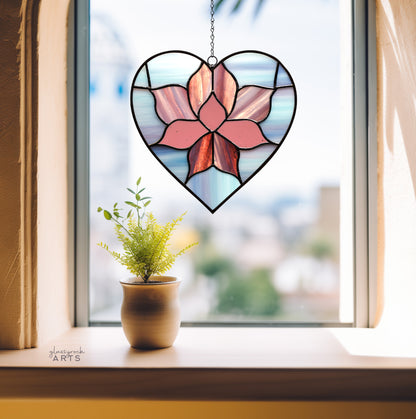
291 247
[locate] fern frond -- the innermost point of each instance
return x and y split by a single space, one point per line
145 242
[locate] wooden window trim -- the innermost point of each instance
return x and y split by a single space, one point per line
312 377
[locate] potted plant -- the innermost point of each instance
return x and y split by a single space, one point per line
150 308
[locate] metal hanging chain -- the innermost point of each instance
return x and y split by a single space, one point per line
212 59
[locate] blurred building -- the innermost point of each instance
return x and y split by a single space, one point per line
328 224
110 69
110 112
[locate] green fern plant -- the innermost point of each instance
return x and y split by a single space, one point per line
145 241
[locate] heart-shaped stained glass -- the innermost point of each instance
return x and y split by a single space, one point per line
213 128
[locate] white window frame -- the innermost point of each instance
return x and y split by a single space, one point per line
364 162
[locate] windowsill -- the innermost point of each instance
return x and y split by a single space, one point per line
218 364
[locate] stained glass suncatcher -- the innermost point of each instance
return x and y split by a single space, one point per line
213 128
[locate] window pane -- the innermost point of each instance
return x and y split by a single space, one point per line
272 251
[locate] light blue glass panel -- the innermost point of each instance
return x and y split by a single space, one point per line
251 160
283 105
213 186
150 125
283 78
175 160
172 68
141 79
252 68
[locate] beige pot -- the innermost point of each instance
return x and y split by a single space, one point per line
150 312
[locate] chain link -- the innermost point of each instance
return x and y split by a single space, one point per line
212 59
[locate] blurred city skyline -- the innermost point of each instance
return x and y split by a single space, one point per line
281 230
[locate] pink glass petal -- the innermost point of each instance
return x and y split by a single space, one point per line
252 103
172 104
212 114
243 134
200 155
200 87
183 134
225 155
225 87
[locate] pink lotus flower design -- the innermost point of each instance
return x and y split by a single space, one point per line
213 119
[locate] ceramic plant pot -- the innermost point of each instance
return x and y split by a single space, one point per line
150 312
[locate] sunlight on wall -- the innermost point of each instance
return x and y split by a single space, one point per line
396 31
